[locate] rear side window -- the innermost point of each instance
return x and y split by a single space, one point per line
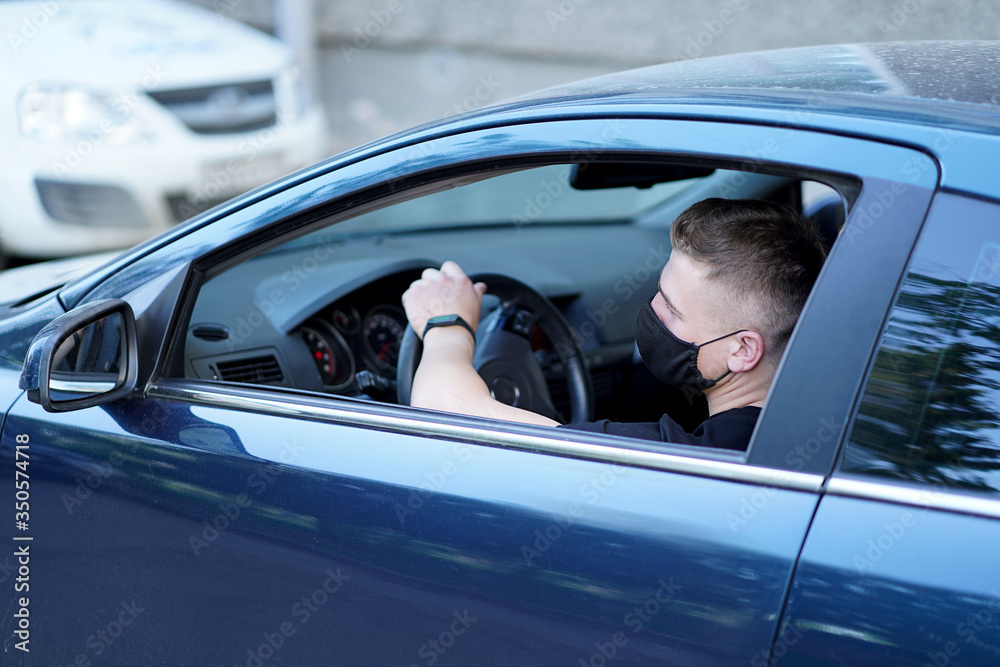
930 412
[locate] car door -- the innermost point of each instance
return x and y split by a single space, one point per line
200 522
900 563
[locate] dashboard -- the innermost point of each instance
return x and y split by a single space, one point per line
334 325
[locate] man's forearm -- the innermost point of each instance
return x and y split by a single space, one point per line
446 380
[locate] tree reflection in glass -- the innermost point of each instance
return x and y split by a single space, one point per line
930 410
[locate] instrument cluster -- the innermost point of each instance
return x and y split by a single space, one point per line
358 332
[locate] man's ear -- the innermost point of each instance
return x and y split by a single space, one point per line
746 351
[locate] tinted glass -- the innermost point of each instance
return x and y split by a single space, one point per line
931 409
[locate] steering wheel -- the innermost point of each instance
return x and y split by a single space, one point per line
503 356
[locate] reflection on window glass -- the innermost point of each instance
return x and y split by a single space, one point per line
89 361
931 409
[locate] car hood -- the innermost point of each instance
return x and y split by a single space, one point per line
22 283
122 43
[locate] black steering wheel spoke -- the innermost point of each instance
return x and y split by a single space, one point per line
514 319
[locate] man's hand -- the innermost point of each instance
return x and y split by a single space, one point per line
443 292
446 379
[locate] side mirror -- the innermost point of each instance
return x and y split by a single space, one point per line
83 358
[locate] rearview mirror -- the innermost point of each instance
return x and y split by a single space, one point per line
83 358
601 175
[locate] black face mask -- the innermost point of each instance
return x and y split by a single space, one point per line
671 360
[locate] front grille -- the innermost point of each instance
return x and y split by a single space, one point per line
223 109
252 370
89 204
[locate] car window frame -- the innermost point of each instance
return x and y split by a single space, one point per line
754 147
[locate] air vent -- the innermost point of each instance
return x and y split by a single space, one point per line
252 370
210 332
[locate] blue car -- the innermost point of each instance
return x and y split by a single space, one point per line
208 458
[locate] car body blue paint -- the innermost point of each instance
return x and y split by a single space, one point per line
247 526
879 583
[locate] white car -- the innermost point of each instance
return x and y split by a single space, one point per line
120 118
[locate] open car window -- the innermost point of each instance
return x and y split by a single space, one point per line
322 312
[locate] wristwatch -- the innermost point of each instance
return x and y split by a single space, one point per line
448 321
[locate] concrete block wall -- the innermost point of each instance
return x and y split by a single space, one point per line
386 65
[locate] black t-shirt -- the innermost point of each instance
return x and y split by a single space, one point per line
725 430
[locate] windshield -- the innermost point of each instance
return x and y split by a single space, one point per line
541 195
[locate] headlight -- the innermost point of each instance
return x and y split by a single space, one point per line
294 95
54 112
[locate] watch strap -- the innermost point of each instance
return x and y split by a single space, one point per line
448 321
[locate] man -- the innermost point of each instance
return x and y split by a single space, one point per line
726 302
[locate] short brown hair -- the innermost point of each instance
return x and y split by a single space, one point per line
764 255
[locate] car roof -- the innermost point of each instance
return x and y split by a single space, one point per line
953 83
941 84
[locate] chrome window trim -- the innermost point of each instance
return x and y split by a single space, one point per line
217 396
939 498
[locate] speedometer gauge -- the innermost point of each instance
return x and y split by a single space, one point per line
329 352
346 318
382 332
